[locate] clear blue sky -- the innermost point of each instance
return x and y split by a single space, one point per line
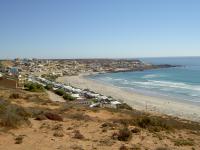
99 28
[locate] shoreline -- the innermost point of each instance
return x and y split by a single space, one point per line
151 104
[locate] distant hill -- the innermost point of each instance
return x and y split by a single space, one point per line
6 63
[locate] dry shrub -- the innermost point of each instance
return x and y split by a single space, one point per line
35 111
79 117
123 147
106 142
184 142
124 135
45 126
58 133
107 124
3 105
40 117
53 116
14 116
78 135
58 127
124 106
152 124
162 148
15 96
124 122
65 107
135 130
76 147
19 139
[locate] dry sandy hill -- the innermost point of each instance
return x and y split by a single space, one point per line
36 123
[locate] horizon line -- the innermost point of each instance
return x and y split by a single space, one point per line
99 57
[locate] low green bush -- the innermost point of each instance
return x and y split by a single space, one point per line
49 87
124 106
34 87
60 92
68 97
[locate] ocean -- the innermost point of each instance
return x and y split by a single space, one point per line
179 83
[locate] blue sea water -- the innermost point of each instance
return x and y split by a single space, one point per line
180 83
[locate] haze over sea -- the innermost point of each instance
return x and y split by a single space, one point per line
179 83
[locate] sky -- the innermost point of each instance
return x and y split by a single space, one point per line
99 28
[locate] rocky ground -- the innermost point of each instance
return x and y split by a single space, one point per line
32 121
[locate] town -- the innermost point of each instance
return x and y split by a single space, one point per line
18 72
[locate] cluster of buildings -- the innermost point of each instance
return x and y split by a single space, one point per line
11 77
68 67
83 97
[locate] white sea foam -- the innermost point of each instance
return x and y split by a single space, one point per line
106 78
148 76
168 84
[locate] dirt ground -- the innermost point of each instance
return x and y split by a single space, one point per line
85 129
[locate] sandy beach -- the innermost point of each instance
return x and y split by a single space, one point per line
137 101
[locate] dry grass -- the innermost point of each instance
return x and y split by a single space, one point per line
103 128
79 117
152 124
13 116
184 142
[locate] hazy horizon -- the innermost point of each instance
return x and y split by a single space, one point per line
99 29
99 57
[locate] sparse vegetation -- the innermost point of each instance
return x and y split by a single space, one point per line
79 117
120 129
58 133
107 124
78 135
58 127
49 87
19 139
65 107
183 142
53 116
123 147
162 148
34 87
67 96
124 134
13 116
124 106
14 96
60 92
152 124
135 130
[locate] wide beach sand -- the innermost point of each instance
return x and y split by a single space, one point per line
137 101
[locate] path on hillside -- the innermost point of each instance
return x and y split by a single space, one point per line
55 98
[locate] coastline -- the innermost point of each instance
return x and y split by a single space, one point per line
151 104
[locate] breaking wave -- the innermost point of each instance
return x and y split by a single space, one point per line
148 76
168 84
